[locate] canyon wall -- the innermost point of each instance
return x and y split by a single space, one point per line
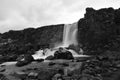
99 30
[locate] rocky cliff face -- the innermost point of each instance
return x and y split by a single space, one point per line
99 34
30 39
99 30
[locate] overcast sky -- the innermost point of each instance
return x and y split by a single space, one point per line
19 14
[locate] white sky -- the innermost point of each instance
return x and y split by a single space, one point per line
19 14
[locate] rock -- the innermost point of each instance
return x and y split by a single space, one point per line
57 77
63 54
20 57
118 65
2 69
39 60
2 65
24 61
51 64
81 60
21 75
33 75
64 64
21 63
29 58
49 57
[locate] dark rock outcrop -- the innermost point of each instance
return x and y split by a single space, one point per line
50 58
99 30
99 34
39 60
63 55
24 61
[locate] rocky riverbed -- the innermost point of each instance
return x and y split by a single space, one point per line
42 70
95 68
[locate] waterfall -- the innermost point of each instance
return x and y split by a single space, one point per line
69 38
70 34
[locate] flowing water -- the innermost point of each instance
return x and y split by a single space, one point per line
70 34
69 38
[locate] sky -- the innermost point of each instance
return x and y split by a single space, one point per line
20 14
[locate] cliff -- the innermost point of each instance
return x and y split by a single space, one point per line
99 30
99 34
30 40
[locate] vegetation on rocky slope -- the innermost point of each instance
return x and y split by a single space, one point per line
29 40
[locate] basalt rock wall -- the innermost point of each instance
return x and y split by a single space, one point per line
99 30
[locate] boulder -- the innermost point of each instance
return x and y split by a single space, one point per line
57 77
63 55
20 57
33 75
51 64
2 69
20 75
24 61
49 57
39 60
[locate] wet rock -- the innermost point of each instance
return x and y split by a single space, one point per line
2 69
20 75
33 75
2 65
63 54
20 57
51 64
118 65
49 57
57 77
39 60
24 61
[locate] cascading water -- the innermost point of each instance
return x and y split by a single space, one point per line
70 34
69 38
